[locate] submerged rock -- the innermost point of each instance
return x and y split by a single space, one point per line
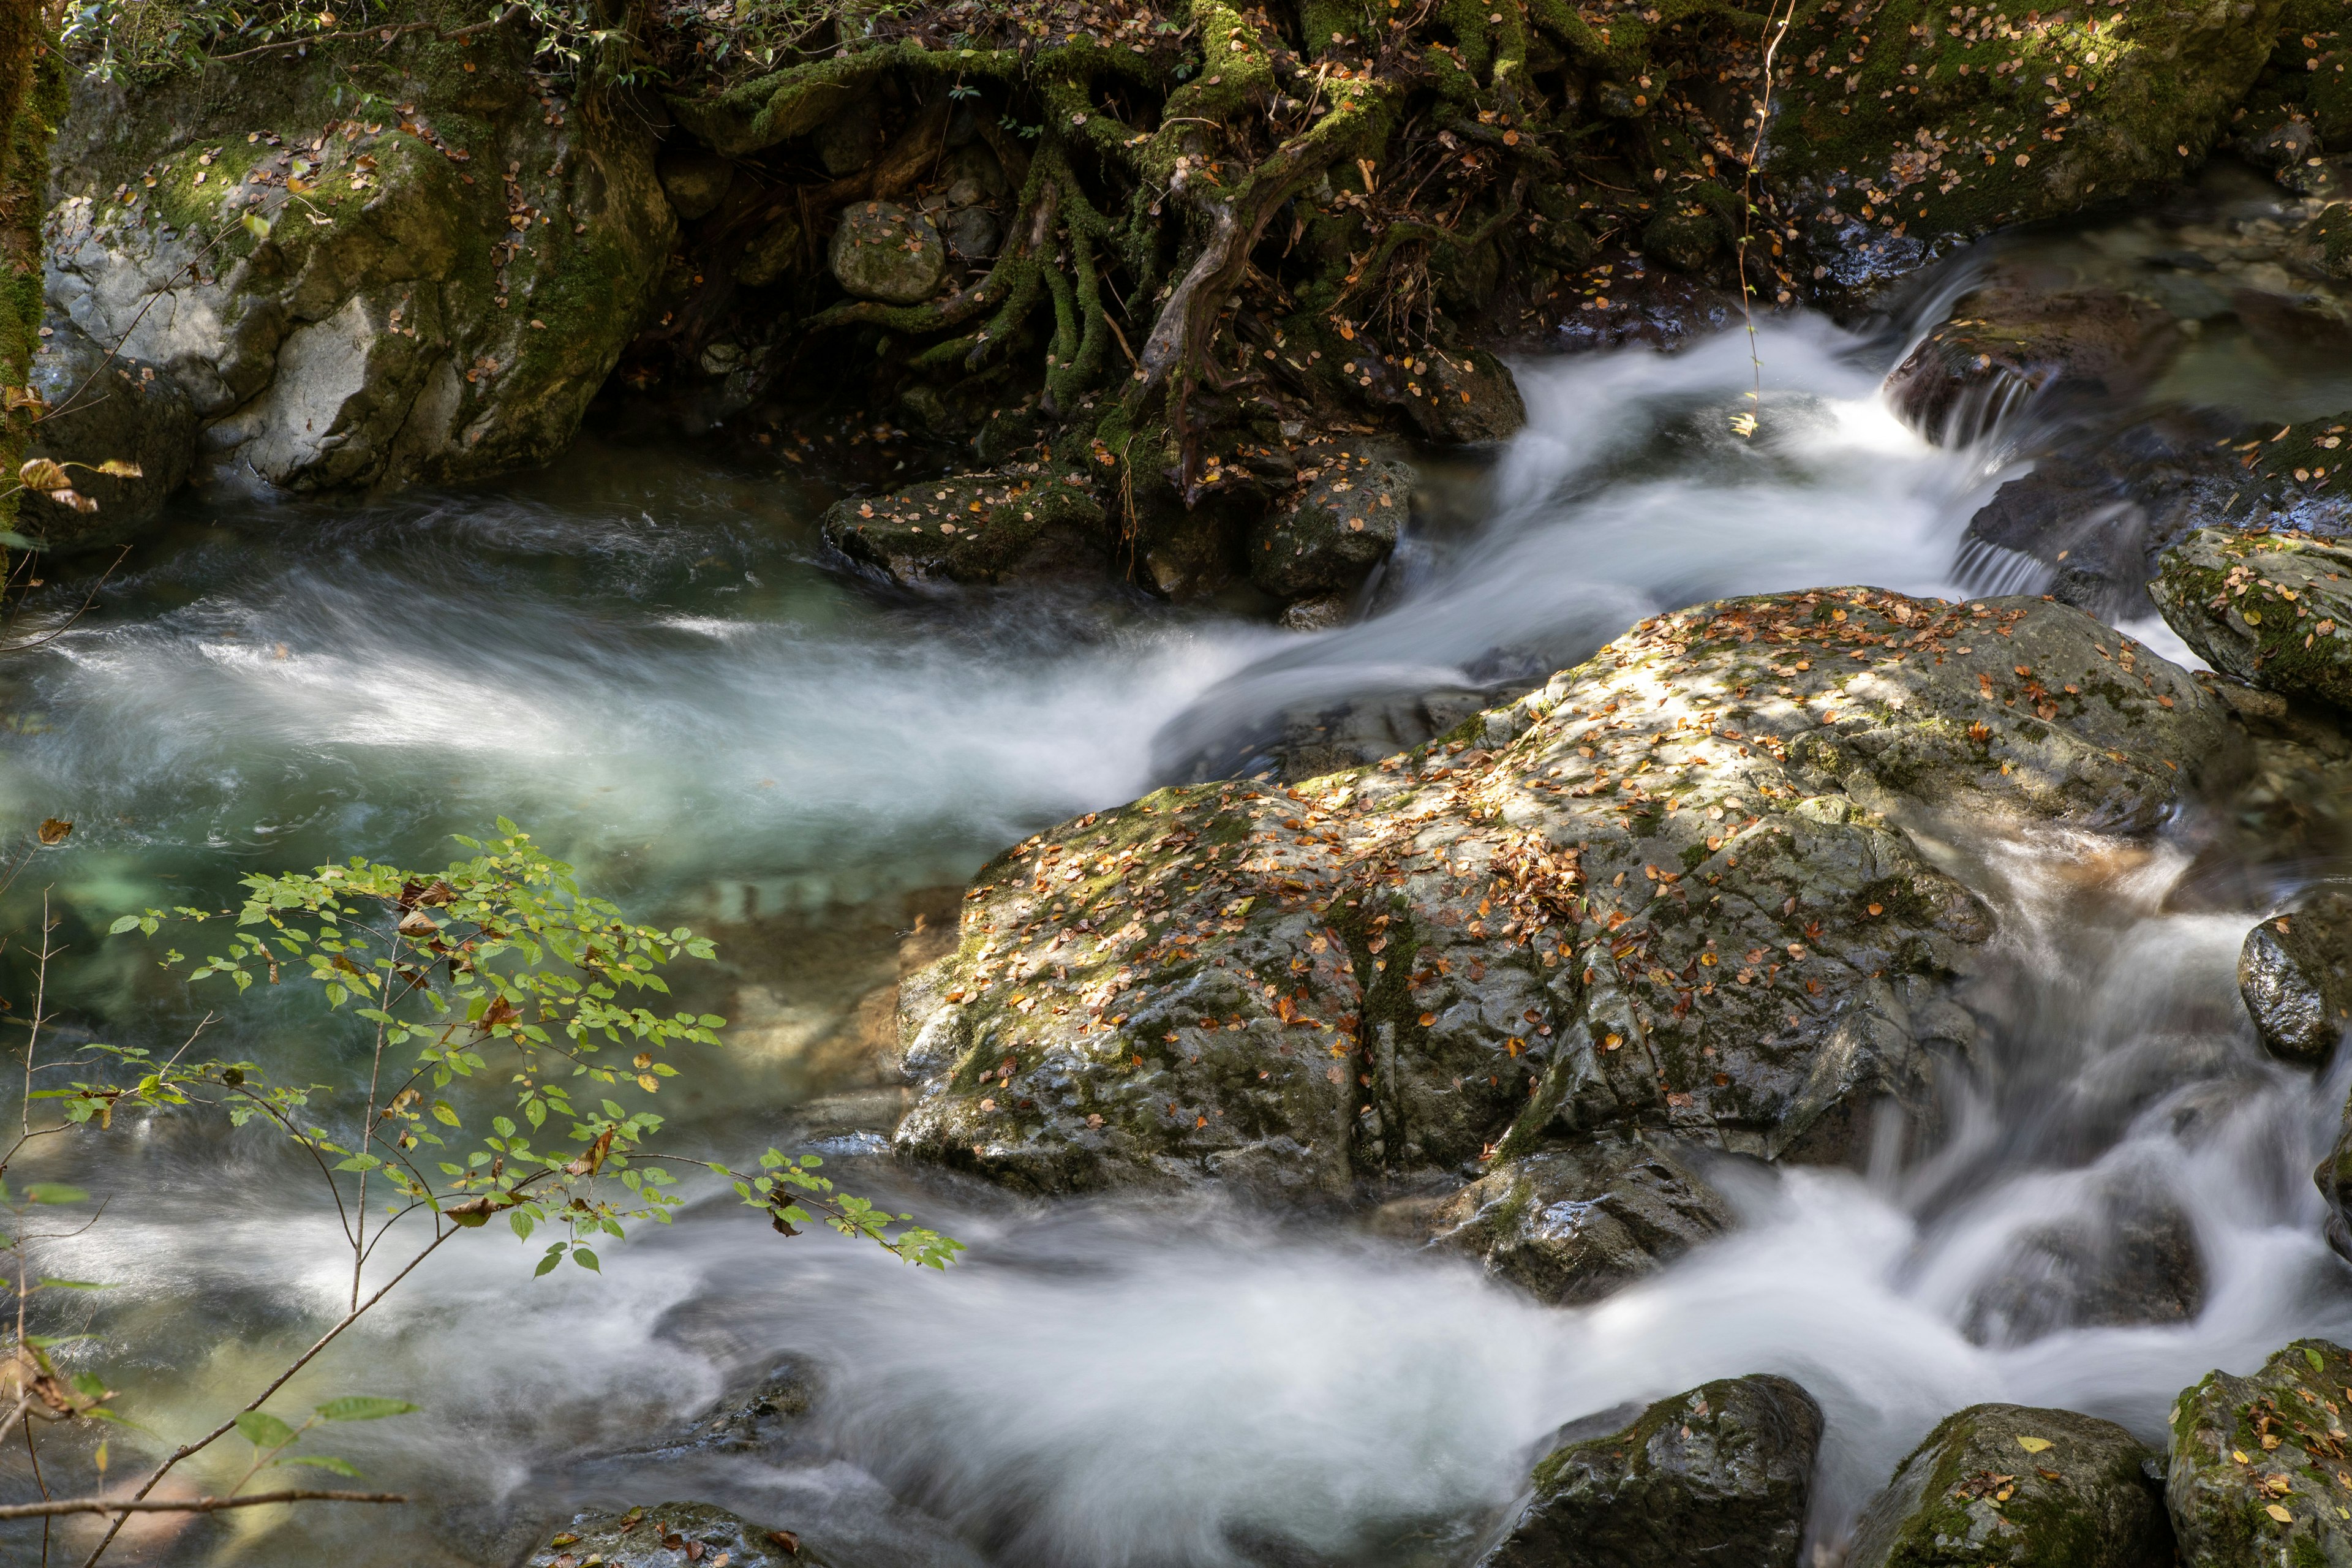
661 1537
882 251
1720 1474
2295 974
2258 1463
1340 526
2272 609
973 528
2129 1256
2011 339
2003 1484
352 299
1668 890
1571 1224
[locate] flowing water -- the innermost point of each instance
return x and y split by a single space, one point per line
645 657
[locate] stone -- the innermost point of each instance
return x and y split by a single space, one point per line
2258 1462
1324 612
882 251
102 408
2127 1256
1879 181
695 180
1341 524
972 528
1571 1224
411 316
2295 974
770 255
643 1537
974 233
1719 1474
2272 609
848 140
2019 1488
2016 339
2280 147
1670 888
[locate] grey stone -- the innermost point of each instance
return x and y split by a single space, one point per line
2004 1486
2295 974
1341 525
101 410
2258 1462
658 1538
696 181
882 251
2272 609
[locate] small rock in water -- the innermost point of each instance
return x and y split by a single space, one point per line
2295 974
1720 1474
670 1536
2003 1484
2272 609
2258 1463
1343 524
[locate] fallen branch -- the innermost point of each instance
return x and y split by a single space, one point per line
185 1505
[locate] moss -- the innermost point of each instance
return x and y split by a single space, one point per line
31 101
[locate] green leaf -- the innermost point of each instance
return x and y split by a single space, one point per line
522 1223
586 1259
122 923
55 1192
263 1430
363 1407
2318 1362
324 1462
73 1285
546 1263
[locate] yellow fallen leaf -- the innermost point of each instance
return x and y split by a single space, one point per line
2033 1445
2276 1512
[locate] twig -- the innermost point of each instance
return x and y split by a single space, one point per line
511 14
129 1506
1745 425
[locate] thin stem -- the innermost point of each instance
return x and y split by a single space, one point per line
1779 25
126 1507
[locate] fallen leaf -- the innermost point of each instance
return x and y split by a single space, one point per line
2033 1445
54 830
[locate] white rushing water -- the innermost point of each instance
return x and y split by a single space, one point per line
657 674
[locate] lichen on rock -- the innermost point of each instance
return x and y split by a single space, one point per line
2258 1463
2273 609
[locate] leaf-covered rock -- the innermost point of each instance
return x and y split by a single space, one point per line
659 1538
2295 974
2259 1462
2017 1487
1341 525
2272 609
882 251
1720 1474
1668 890
972 528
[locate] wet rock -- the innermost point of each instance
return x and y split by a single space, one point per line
2003 1484
1881 180
660 1538
2013 341
413 315
1572 1225
760 1416
1329 536
103 409
1667 890
1465 398
1320 614
2280 147
882 251
2257 1463
695 180
1720 1474
2130 1258
2295 974
2272 609
973 528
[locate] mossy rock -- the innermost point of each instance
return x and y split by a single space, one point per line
2272 609
1719 1474
659 1538
972 528
882 251
2294 972
1663 890
1343 523
2259 1464
2010 339
1903 132
1570 1225
2005 1486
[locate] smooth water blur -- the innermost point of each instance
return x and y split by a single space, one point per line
649 659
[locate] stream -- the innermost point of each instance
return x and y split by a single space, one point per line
646 657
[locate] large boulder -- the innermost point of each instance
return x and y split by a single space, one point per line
2260 1463
1342 523
1720 1474
427 285
105 408
2017 1487
2294 972
2014 338
2273 609
972 528
1903 132
1668 890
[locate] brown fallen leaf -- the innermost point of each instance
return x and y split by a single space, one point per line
53 830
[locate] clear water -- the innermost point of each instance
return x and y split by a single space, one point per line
645 657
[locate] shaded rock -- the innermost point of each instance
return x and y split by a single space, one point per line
770 255
882 251
2012 340
973 528
2295 974
2272 609
414 315
2132 1258
1665 889
2254 1477
1572 1225
1720 1474
1462 398
848 139
1882 180
974 233
102 408
1330 536
2004 1484
2280 147
1320 614
757 1419
658 1538
695 179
